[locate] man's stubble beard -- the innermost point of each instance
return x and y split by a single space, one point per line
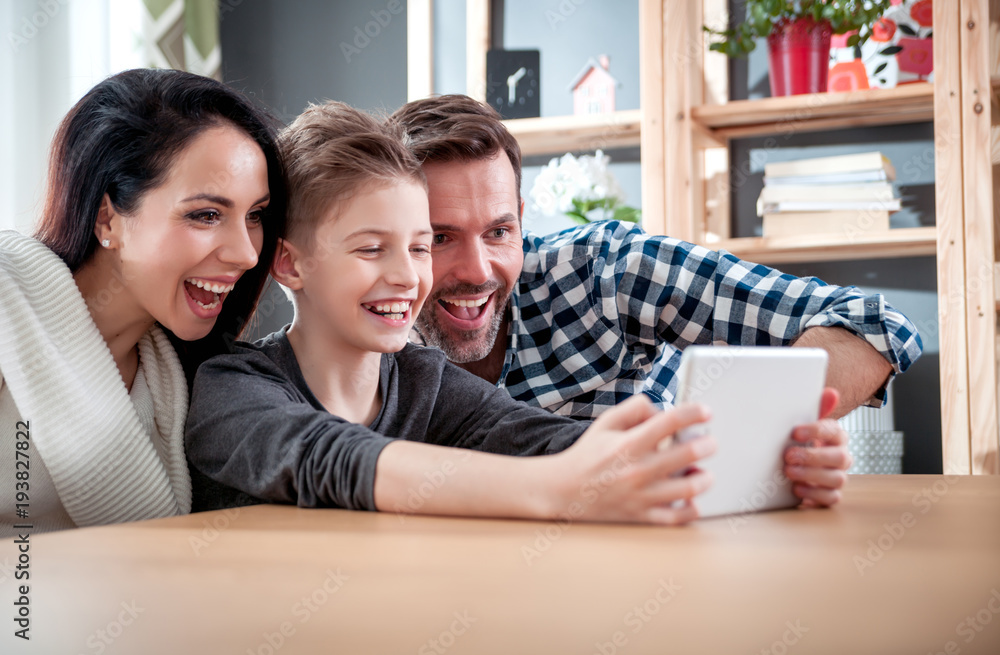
469 348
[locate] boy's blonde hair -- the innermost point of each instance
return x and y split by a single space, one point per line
332 152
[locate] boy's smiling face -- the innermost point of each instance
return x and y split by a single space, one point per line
369 271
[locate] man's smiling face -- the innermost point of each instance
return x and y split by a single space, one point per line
477 255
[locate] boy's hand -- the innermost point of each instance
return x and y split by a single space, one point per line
618 470
818 468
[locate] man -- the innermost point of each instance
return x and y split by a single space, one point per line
577 322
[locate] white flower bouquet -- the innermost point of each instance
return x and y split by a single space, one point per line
582 188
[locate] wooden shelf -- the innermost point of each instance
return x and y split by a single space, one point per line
558 134
910 103
996 284
903 242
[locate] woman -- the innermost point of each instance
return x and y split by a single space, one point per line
165 201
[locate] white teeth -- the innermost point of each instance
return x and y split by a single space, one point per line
213 305
395 310
468 303
211 286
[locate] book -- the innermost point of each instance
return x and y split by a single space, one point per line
881 191
846 223
864 161
851 177
827 205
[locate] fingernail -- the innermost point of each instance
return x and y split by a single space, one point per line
703 446
805 432
796 456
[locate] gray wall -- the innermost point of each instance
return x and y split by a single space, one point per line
288 54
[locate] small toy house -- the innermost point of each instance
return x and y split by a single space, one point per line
594 88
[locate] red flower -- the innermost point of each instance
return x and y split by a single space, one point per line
923 13
917 55
883 29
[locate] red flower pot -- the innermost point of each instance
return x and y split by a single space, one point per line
799 56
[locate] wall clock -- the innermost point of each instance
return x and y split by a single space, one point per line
512 82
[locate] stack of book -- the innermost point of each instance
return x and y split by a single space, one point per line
846 195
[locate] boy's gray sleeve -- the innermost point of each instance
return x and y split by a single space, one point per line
468 412
250 429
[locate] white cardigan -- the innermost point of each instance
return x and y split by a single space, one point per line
92 461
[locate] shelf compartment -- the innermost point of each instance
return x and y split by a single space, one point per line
556 135
910 103
902 242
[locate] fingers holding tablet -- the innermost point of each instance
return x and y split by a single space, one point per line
818 466
628 467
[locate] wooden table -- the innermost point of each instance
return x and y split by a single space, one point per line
901 566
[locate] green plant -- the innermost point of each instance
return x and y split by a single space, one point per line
762 15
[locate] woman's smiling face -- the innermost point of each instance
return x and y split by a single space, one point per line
192 237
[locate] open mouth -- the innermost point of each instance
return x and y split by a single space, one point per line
394 311
465 309
207 295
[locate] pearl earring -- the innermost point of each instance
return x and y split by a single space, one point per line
106 243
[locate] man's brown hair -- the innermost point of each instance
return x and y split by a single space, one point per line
457 128
333 152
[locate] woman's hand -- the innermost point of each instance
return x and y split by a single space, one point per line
623 468
818 468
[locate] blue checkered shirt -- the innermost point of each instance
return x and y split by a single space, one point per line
602 312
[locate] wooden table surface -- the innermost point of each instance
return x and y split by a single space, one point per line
905 564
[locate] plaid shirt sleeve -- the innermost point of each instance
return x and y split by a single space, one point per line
663 289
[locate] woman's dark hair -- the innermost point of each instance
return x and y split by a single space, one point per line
121 139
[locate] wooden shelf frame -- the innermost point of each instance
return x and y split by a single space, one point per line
559 134
904 242
684 128
910 103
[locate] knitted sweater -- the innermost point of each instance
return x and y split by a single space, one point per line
95 455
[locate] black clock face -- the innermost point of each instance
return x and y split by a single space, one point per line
512 84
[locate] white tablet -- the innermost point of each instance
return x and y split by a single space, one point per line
757 395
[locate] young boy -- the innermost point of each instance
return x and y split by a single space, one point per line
337 410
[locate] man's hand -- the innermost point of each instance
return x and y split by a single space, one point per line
818 468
